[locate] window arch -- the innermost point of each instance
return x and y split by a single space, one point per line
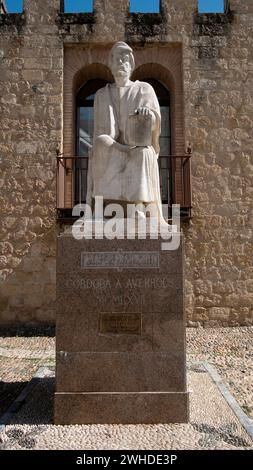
152 64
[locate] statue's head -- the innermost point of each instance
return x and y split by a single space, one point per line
121 59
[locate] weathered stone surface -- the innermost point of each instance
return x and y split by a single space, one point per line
112 339
129 408
217 67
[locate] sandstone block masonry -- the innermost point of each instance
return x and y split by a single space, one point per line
216 67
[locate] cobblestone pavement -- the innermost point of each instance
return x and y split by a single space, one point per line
212 425
230 350
22 352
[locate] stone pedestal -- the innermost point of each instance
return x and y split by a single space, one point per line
120 333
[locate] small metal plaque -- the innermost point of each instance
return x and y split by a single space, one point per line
118 324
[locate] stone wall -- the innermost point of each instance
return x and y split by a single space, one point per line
218 66
217 70
31 71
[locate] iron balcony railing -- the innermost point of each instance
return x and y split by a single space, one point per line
175 181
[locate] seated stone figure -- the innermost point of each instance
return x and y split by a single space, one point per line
127 124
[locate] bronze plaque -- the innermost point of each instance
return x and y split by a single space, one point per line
118 324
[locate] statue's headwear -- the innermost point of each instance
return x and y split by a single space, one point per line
124 46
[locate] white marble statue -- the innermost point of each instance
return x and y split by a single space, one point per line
127 122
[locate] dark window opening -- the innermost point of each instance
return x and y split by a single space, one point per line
163 96
84 134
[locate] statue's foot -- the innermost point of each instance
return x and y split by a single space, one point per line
140 214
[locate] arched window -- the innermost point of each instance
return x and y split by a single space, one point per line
84 136
163 96
84 117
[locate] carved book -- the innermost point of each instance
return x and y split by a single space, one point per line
140 130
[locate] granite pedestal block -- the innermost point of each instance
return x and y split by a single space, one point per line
120 333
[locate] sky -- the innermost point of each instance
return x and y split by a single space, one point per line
211 6
14 6
135 5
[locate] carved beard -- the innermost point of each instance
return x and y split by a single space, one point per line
121 73
121 76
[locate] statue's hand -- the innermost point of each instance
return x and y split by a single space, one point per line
144 111
105 140
108 141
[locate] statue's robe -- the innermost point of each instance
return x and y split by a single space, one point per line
117 175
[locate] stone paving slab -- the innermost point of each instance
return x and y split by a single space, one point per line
213 424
